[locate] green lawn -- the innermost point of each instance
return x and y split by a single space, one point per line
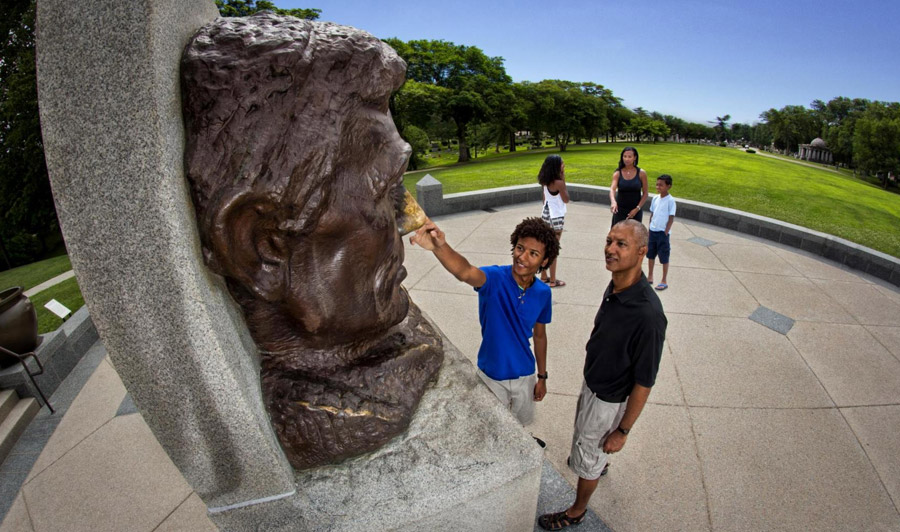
67 293
819 199
31 275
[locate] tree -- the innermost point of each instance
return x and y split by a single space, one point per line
595 121
644 126
876 140
26 203
677 126
419 142
721 126
619 117
471 77
791 126
760 135
244 8
839 118
559 110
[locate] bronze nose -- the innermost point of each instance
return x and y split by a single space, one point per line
412 217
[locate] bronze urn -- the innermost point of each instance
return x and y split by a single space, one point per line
18 325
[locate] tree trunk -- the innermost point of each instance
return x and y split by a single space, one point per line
463 147
512 141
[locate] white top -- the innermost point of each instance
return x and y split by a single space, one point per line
662 208
556 204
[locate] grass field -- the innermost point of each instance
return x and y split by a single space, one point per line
31 275
819 199
67 293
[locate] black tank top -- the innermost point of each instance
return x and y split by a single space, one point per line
629 192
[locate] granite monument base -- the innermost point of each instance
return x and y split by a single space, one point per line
465 463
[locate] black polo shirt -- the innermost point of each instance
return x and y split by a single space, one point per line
626 344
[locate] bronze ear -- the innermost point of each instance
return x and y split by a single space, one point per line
248 245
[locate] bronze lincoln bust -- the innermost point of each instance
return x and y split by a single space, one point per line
296 172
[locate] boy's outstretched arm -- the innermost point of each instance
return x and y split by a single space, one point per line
431 238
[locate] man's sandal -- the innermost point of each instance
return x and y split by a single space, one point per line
558 283
560 520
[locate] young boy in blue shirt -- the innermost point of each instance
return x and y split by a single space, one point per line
513 306
662 215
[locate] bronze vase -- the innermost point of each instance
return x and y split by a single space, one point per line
18 325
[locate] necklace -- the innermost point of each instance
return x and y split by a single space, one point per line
522 290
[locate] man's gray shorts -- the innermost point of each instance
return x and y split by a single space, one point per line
594 421
516 394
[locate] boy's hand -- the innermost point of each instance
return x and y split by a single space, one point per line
428 237
540 390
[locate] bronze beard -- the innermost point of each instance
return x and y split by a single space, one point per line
294 167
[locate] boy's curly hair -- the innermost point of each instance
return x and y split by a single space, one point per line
537 229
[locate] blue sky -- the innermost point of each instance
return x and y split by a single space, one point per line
692 59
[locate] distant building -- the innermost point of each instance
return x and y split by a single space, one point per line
816 151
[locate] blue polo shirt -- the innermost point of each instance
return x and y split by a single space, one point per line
507 317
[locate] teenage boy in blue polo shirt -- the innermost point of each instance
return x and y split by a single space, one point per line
512 306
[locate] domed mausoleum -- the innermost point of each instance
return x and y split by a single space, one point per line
816 151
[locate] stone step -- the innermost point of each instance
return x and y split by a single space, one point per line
15 423
8 399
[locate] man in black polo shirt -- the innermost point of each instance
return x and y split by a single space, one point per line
620 367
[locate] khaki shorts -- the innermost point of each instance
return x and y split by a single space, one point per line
516 394
594 421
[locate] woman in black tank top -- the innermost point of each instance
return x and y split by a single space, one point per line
628 191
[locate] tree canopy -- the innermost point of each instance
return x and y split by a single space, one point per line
470 77
243 8
26 202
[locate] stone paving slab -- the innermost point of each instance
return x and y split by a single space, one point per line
735 362
877 428
889 337
864 301
795 297
690 254
706 292
87 488
796 469
17 518
850 363
815 267
94 406
752 258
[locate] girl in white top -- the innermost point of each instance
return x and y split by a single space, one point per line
553 179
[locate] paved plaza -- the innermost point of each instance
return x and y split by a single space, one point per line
777 405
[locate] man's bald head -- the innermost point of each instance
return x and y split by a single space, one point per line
639 230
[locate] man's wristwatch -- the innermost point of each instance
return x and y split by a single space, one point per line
623 431
542 375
